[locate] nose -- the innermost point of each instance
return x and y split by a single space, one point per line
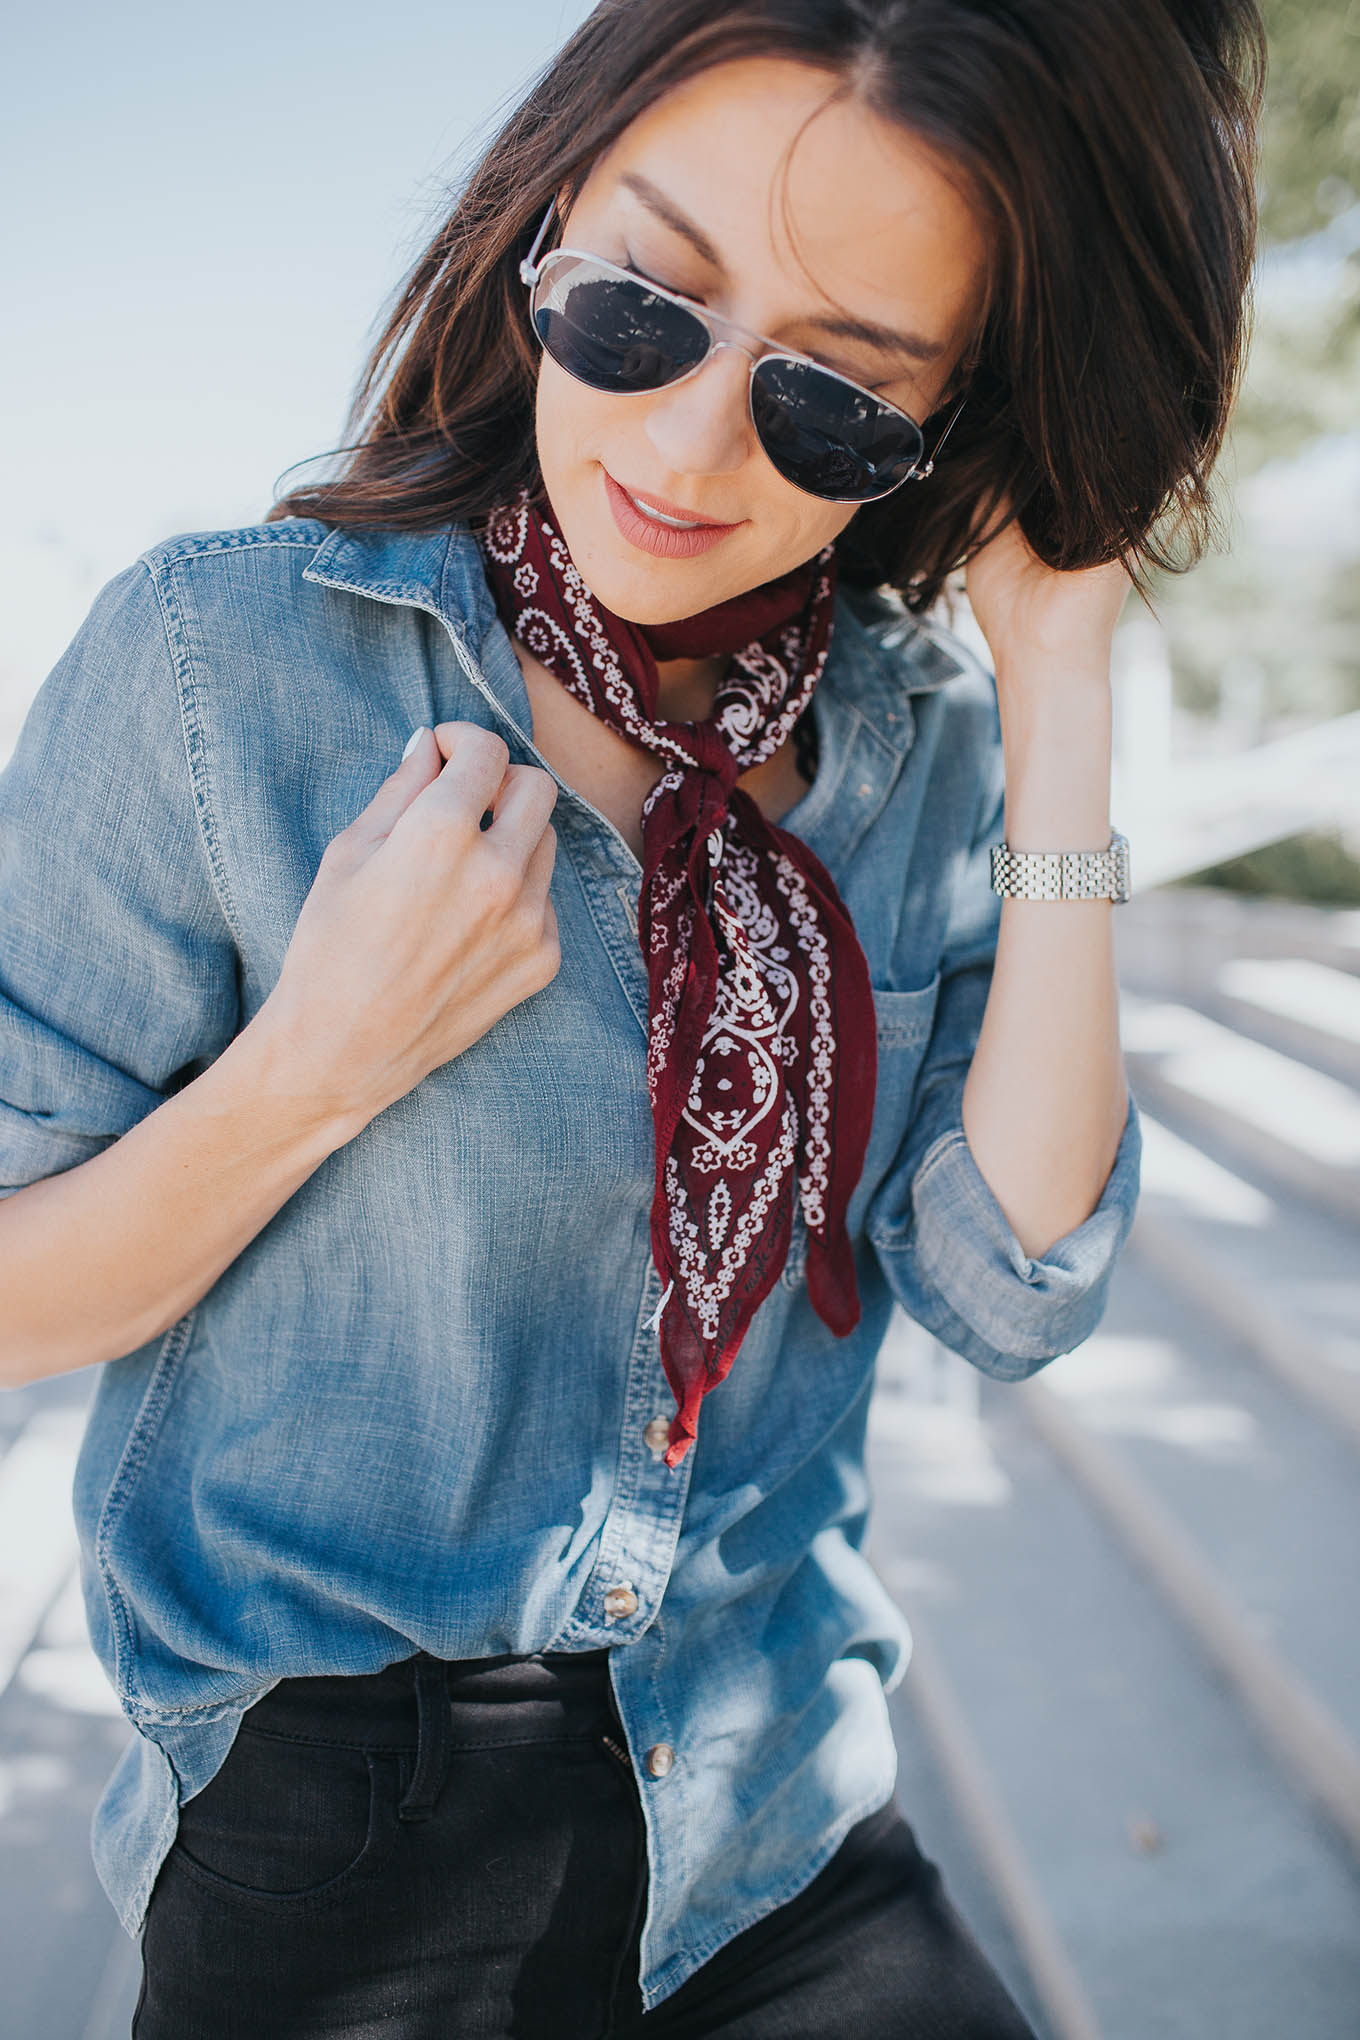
702 426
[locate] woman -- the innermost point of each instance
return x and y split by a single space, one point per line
491 1220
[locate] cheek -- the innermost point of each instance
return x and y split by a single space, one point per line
557 420
799 525
575 427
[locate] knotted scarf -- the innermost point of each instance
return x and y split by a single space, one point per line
761 1055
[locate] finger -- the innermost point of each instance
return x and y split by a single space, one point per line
419 765
538 871
524 800
476 762
452 738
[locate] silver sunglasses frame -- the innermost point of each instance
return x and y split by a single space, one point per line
726 333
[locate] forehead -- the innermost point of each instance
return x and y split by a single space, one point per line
808 197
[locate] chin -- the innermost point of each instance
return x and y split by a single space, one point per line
648 591
655 605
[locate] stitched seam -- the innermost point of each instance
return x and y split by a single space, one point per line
226 542
909 1026
313 1895
195 752
200 1713
135 1451
415 593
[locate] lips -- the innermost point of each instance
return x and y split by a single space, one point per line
690 518
683 539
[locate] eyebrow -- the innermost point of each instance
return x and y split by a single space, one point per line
886 339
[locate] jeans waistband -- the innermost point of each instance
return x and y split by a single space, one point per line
378 1709
434 1706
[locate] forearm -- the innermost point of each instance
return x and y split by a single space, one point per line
102 1258
1046 1097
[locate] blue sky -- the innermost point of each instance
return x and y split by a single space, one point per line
206 210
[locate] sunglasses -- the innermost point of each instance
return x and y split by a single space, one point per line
614 330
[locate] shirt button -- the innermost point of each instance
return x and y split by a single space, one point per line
660 1759
620 1600
657 1436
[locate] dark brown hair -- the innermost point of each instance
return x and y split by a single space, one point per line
1112 146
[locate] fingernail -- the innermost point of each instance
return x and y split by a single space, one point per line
413 740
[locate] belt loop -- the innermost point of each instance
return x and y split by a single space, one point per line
432 1738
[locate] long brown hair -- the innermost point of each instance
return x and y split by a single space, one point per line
1112 145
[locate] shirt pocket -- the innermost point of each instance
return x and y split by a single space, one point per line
903 1021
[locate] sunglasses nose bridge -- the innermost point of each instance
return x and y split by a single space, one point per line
722 336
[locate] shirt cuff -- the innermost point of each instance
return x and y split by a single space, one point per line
960 1270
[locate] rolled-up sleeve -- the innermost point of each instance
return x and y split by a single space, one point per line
117 963
949 1252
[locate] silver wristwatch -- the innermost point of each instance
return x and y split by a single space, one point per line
1063 874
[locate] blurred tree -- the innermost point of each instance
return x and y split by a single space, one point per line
1283 588
1310 167
1314 867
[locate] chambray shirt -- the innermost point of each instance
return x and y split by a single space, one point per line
414 1413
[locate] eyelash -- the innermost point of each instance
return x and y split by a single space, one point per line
636 269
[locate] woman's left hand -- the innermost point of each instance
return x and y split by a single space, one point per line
1034 616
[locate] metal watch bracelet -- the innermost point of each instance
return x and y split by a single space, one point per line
1063 874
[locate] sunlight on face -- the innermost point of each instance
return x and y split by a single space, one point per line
879 234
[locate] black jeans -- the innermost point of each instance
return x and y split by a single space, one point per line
456 1852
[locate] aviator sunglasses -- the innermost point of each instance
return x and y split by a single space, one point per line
614 330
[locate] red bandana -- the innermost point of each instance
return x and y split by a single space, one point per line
761 1060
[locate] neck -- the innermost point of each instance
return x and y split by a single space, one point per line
687 688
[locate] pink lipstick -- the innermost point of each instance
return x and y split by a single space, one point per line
669 532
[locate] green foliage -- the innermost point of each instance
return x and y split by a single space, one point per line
1314 867
1276 595
1303 373
1310 167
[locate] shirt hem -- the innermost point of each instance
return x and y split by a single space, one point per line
680 1968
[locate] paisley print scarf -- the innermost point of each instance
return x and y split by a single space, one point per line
761 1057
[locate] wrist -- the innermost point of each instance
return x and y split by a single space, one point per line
1073 670
1057 749
277 1060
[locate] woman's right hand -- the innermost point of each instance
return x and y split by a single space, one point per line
421 928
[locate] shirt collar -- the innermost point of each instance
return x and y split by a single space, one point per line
880 655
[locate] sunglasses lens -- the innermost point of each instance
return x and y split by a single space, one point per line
611 332
827 437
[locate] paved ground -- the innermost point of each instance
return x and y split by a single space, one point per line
1129 1730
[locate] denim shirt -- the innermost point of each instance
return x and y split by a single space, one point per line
415 1412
